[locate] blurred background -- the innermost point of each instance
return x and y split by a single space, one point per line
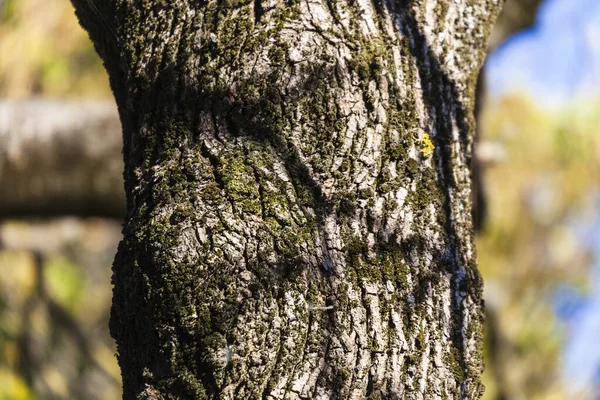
537 201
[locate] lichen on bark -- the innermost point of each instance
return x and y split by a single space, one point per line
286 238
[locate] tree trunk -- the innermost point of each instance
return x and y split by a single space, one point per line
298 215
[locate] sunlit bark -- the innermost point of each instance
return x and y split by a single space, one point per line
298 216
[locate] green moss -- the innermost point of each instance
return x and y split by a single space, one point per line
451 360
365 193
346 204
277 55
367 61
441 11
411 167
397 152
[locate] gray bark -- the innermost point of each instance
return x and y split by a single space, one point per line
60 158
298 215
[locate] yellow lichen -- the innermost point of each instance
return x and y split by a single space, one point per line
426 146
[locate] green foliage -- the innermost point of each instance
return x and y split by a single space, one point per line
541 186
44 51
13 387
64 280
51 308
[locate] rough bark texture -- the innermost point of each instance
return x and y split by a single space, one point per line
60 158
297 191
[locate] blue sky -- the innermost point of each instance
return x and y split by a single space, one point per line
581 314
557 60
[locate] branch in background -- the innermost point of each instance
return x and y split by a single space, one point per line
516 16
60 158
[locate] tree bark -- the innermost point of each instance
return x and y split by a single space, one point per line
298 215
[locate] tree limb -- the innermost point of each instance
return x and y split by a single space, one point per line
60 158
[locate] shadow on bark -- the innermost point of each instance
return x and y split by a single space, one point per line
441 98
255 111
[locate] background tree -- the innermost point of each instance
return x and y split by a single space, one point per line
297 192
60 158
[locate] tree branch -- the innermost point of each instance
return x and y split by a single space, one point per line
60 158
